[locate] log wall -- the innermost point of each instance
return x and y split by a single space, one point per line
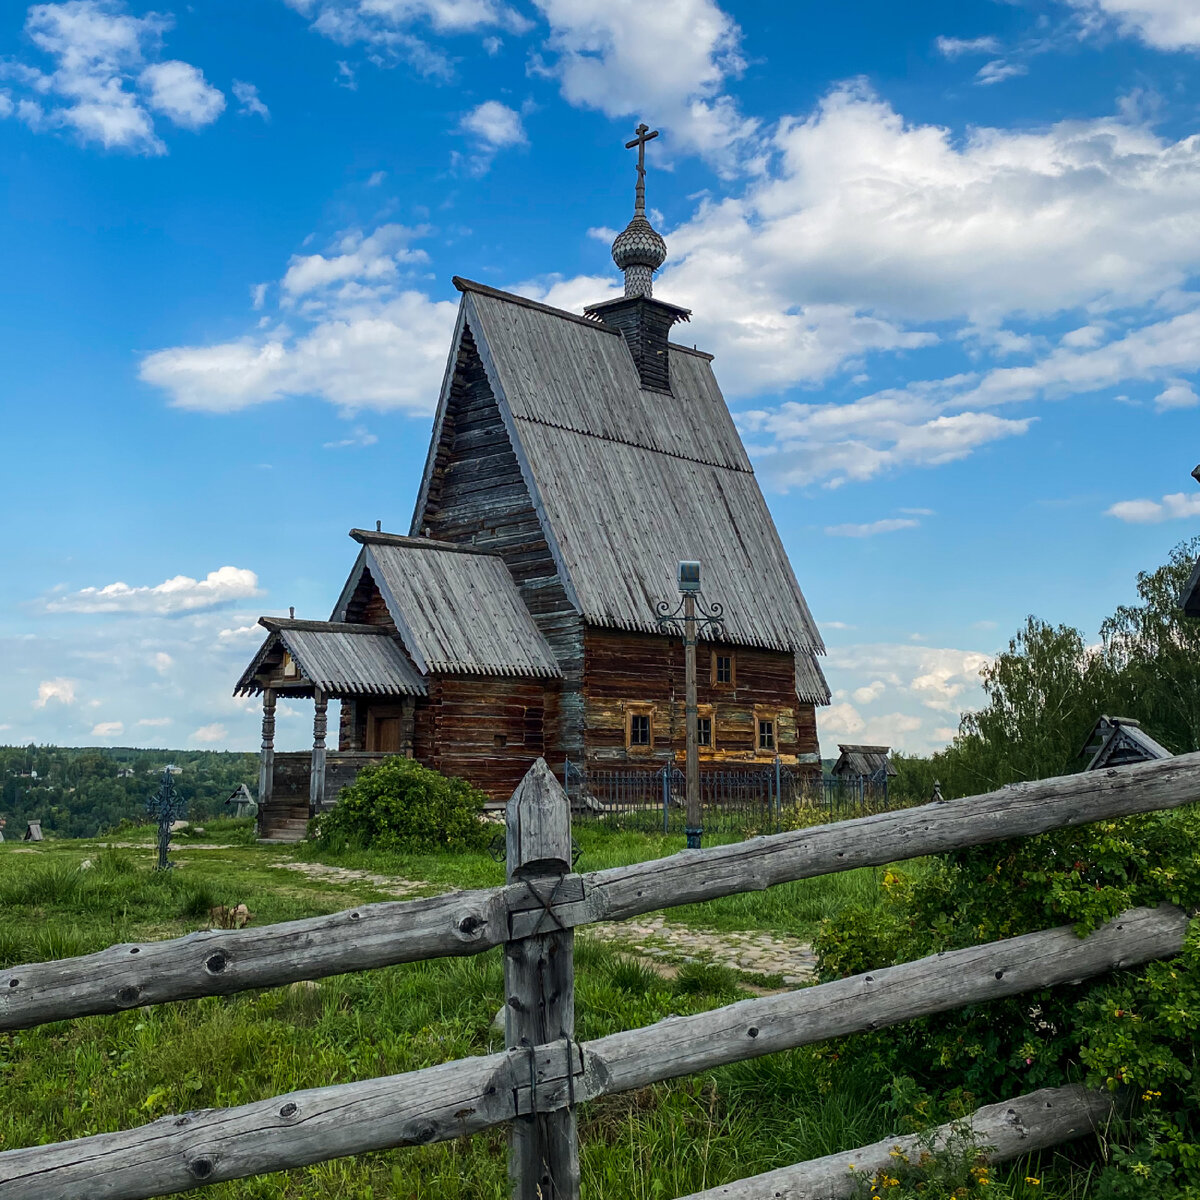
459 727
478 495
630 669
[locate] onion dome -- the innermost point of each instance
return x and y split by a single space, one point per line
639 251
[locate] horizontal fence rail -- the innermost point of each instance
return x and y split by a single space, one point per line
220 962
1004 1131
175 1154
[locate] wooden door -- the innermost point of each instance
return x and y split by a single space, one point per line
383 734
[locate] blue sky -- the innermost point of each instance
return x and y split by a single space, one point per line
945 254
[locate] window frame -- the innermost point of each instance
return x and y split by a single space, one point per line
636 708
704 712
729 684
766 717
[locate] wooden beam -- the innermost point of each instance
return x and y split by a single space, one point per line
316 779
175 1154
460 923
539 985
1004 1131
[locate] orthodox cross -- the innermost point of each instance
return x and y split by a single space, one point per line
165 806
644 135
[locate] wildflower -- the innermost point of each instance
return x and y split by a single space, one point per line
1032 1180
1151 1095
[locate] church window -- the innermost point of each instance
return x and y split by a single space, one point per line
704 731
765 734
723 673
639 727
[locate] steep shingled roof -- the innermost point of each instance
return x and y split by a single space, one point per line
340 659
456 609
628 481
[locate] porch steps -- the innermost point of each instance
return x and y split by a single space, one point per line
283 821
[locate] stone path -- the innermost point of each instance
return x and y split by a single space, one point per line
401 888
753 951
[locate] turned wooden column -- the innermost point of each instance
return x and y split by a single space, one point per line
266 759
316 780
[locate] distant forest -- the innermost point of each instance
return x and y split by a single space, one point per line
80 792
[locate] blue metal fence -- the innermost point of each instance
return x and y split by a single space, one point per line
755 799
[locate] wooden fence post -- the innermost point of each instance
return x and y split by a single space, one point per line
539 985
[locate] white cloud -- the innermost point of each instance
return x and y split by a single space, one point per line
353 338
211 733
377 177
666 62
999 70
108 729
1178 395
101 85
358 257
1164 24
7 108
495 125
887 525
177 595
155 722
1174 507
361 436
871 692
60 690
180 92
162 662
242 633
840 720
952 47
251 103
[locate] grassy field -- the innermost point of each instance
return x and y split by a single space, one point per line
75 1078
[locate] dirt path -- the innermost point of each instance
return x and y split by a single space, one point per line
754 951
400 888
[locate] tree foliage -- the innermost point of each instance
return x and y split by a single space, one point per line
1046 691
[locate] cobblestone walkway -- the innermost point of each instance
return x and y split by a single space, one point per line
753 951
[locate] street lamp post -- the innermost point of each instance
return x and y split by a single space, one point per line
684 621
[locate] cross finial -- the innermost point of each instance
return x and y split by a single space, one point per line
644 135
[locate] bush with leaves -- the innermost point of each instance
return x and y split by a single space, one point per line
401 805
1132 1032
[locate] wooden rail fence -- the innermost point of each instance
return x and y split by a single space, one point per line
537 1082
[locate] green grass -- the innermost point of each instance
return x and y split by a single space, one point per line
71 1079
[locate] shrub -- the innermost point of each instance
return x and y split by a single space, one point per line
1132 1032
401 805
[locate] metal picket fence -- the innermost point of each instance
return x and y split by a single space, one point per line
748 801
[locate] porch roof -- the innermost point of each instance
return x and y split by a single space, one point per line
339 658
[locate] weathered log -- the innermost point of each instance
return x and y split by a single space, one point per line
1004 1131
178 1153
219 962
539 985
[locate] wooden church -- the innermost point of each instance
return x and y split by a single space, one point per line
575 460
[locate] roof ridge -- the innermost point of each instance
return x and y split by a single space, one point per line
468 285
600 437
274 624
366 537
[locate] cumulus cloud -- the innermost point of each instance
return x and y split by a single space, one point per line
354 337
107 729
1163 24
495 125
162 662
180 92
178 595
671 62
60 691
999 70
871 528
215 732
1152 512
241 633
1179 394
155 722
103 84
871 692
251 103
